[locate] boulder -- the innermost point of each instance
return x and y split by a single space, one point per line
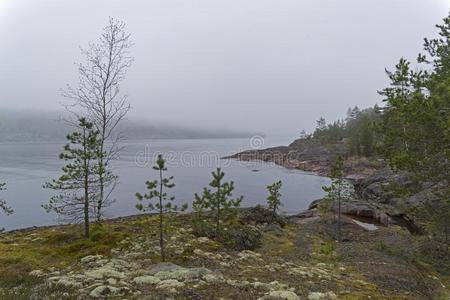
280 295
170 285
105 291
90 258
146 279
322 296
37 273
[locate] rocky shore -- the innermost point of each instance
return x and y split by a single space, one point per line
307 156
370 177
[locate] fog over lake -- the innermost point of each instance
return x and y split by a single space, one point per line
27 166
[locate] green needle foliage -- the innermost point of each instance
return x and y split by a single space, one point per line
164 202
78 185
274 198
218 199
3 205
339 190
416 126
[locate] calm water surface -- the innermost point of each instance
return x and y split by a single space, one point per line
27 166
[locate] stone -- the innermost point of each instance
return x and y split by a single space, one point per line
249 255
170 285
146 279
65 281
106 271
163 267
90 258
261 286
37 273
280 295
104 290
203 240
185 274
213 277
322 296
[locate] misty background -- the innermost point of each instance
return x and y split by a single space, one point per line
234 66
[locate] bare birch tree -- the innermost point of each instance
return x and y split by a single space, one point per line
98 95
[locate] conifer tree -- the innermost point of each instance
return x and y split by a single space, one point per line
78 185
218 198
3 205
339 190
416 122
164 202
199 205
274 198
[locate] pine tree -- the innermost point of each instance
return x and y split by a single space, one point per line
164 201
78 186
274 198
416 124
3 205
218 199
339 190
199 205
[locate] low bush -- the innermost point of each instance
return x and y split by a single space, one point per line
260 215
236 237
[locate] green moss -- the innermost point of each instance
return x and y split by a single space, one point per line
324 250
351 275
27 287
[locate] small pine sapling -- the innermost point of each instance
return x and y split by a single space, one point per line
274 198
164 203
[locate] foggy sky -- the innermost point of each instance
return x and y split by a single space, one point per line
271 66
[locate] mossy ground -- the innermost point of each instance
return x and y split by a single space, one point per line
379 264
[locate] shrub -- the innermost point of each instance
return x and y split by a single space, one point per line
260 215
236 237
242 238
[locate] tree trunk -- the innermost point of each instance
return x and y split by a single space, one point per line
86 211
102 143
218 211
101 166
161 237
101 189
86 187
339 210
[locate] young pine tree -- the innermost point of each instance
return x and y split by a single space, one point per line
218 199
78 185
163 201
339 190
199 205
3 205
274 198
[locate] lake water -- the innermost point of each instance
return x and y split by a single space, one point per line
25 167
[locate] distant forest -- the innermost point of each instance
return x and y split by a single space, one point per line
34 126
